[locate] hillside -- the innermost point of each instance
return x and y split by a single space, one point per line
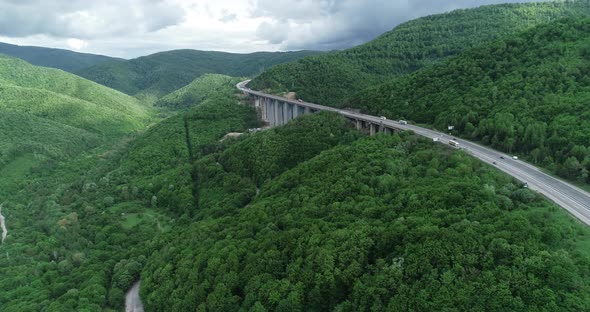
79 231
333 77
69 61
310 216
60 96
195 92
53 114
351 223
161 73
526 94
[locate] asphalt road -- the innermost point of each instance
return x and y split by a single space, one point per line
575 200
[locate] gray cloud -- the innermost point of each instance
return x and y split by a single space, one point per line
131 28
274 33
85 19
337 24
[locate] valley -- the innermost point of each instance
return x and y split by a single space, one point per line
185 180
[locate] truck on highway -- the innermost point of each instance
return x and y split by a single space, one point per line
453 143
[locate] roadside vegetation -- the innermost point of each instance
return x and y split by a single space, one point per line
526 94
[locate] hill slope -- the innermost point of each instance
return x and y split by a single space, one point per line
161 73
61 96
195 92
349 223
333 77
528 93
306 217
57 58
56 114
79 231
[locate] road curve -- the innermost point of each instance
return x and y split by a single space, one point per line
132 300
575 200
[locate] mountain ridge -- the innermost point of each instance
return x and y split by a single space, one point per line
63 59
160 73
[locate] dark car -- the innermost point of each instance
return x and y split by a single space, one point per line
501 157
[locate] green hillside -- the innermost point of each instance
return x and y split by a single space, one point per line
26 134
63 97
79 231
310 216
333 77
57 58
351 223
526 94
195 92
161 73
55 115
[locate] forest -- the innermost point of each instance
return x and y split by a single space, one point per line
79 226
331 78
526 95
52 114
313 216
309 216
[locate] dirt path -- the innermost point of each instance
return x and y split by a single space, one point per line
132 300
3 225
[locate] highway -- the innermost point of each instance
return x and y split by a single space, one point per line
575 200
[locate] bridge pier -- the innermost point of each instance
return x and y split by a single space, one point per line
276 116
372 129
285 112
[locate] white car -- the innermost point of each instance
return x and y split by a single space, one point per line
515 157
383 118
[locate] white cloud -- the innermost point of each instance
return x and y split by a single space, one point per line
76 44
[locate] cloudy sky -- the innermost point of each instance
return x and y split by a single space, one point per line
131 28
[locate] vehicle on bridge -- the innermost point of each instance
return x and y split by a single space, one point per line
383 118
403 122
453 143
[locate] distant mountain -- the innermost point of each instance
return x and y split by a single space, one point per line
54 113
525 94
330 78
56 58
161 73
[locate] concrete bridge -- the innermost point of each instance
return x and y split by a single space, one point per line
277 111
